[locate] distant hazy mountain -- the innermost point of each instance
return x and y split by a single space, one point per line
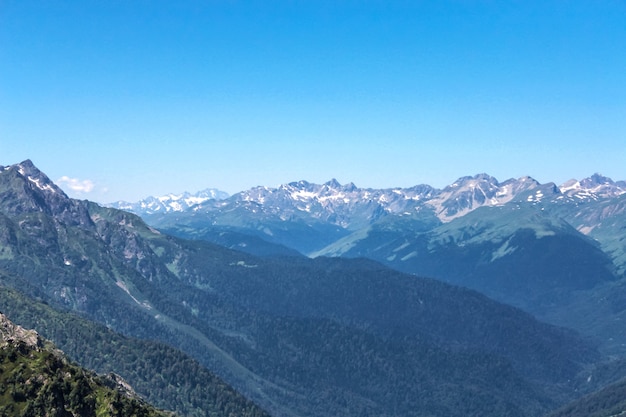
331 219
329 211
595 187
317 337
171 202
349 206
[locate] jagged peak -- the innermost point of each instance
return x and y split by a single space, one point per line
333 183
28 164
171 202
350 187
526 178
464 195
421 188
593 180
593 186
520 184
596 179
298 184
485 177
36 178
24 166
478 178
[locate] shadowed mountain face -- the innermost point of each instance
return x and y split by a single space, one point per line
317 337
523 256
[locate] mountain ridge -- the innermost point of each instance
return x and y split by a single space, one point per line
550 250
38 379
171 202
185 386
353 333
459 198
310 217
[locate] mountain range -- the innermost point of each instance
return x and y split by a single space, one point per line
312 218
298 336
172 202
558 252
350 207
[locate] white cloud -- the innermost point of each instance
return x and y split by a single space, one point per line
76 185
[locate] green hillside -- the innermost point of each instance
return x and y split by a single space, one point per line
608 402
37 380
299 337
161 374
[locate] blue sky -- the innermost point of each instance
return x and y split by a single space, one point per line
125 99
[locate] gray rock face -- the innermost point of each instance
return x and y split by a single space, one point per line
11 333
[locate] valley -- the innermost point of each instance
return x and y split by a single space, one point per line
557 252
446 317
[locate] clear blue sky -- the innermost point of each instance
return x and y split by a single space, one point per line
125 99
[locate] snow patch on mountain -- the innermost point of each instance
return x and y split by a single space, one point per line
469 193
29 171
42 185
594 187
351 207
504 250
536 197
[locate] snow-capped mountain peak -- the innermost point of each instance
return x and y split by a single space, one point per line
349 206
468 193
171 202
594 187
28 170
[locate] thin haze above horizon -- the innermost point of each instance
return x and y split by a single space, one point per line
120 100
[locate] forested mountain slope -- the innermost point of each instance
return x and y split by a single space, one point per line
37 380
320 337
159 373
554 251
608 402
